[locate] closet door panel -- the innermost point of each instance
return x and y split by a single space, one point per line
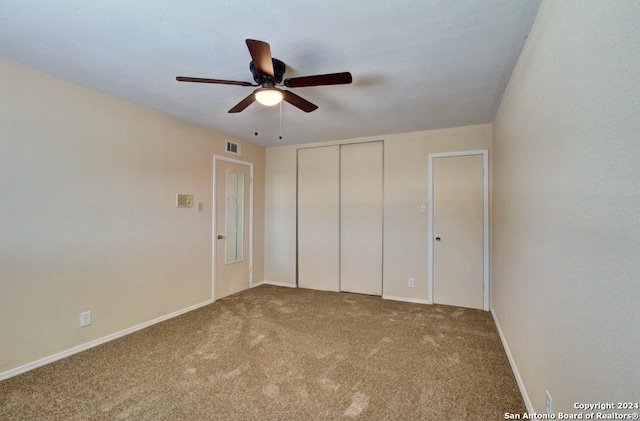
361 198
319 218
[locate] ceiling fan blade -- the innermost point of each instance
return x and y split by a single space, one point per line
317 80
243 104
261 55
299 102
218 81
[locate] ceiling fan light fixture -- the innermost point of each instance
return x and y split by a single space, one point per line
269 96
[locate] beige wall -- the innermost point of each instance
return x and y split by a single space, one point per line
280 215
566 206
405 189
88 218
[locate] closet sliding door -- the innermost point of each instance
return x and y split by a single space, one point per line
361 218
319 218
340 218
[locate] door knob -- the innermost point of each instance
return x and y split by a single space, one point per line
437 238
220 237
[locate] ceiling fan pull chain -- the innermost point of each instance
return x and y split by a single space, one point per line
280 137
255 125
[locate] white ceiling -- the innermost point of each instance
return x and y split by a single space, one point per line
416 64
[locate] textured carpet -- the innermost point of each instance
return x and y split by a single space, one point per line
273 353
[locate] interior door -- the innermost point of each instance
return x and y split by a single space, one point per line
361 218
232 212
458 229
319 218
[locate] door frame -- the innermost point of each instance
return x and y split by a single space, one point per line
216 159
485 217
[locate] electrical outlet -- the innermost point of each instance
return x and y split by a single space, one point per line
549 404
85 319
412 282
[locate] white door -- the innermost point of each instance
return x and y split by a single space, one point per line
458 230
232 227
319 218
361 218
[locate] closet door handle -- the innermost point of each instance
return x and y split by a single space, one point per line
220 237
437 238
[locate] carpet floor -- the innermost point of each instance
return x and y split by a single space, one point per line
273 353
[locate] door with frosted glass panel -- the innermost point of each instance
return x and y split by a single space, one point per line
232 228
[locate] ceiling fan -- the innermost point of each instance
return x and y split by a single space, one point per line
267 73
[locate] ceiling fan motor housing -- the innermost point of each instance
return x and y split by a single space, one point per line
279 69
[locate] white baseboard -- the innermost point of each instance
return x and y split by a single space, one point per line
406 300
60 355
280 284
523 391
257 284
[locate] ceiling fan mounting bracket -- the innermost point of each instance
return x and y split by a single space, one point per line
279 69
